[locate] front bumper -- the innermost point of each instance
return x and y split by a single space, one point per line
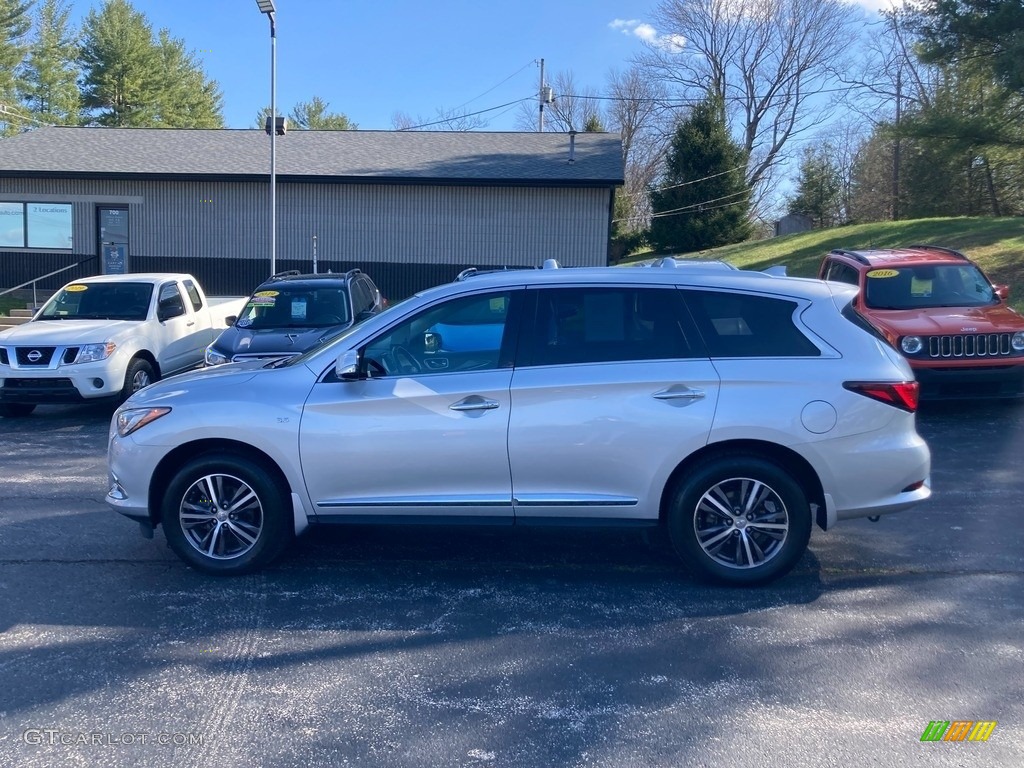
962 382
61 384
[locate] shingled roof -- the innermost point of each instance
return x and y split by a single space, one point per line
237 155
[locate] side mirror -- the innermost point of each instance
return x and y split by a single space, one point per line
1002 291
230 320
431 342
347 365
167 311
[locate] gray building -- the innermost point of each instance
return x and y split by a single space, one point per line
410 208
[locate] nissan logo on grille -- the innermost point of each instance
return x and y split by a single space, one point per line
35 356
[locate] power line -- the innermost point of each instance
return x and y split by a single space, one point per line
527 64
466 114
702 205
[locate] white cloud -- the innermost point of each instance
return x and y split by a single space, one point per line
647 33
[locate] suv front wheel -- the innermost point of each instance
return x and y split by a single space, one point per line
224 515
739 520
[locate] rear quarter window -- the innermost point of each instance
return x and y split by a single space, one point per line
746 325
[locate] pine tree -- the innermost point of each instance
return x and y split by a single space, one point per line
14 26
121 66
134 80
704 198
186 99
311 115
50 87
819 188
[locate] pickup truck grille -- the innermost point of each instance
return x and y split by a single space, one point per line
38 356
979 345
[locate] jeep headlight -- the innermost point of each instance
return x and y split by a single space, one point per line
1018 341
132 419
213 357
90 353
911 345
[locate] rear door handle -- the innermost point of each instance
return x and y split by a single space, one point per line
474 403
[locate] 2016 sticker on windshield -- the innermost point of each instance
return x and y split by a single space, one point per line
76 288
265 293
883 273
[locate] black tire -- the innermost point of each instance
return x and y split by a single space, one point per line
207 532
139 374
763 542
16 410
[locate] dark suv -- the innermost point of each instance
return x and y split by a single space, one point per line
940 310
292 312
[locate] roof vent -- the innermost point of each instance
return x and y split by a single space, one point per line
572 146
551 264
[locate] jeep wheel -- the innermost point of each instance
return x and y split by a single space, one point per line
740 520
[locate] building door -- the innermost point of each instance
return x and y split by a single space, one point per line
113 239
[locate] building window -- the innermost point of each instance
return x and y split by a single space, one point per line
35 225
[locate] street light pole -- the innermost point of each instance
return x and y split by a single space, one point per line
267 7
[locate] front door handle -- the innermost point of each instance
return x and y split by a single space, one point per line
685 393
474 403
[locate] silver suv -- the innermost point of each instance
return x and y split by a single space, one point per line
734 408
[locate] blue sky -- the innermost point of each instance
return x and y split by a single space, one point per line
372 58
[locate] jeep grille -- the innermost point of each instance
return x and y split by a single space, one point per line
980 345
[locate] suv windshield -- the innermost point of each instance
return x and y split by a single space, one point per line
295 306
928 285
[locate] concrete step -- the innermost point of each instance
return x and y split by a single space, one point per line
10 322
22 312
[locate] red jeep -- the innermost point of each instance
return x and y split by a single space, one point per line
940 311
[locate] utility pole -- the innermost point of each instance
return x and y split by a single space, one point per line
540 98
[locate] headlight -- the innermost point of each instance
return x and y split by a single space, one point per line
911 345
136 418
213 357
90 353
1018 341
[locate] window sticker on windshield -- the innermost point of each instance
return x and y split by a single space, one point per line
265 293
76 288
920 287
244 322
883 273
262 301
498 304
298 309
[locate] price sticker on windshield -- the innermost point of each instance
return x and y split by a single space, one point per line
883 273
76 288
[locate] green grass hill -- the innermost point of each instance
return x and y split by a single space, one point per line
996 244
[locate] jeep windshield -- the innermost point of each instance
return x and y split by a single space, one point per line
930 285
295 306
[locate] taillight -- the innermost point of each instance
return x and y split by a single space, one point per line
903 394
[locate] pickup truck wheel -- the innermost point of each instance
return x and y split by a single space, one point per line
741 521
15 410
224 515
139 374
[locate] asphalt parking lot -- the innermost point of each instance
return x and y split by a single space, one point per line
509 648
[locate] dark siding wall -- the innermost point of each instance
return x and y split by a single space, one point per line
17 268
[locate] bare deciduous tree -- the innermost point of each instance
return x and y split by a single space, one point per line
768 60
445 120
573 108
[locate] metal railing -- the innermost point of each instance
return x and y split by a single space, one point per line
33 281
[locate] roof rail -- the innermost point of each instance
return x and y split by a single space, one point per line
853 255
950 251
473 271
551 264
286 273
352 273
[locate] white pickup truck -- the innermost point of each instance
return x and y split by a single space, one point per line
107 337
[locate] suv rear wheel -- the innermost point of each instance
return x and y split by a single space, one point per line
739 520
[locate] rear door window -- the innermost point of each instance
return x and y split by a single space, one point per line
748 325
601 325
